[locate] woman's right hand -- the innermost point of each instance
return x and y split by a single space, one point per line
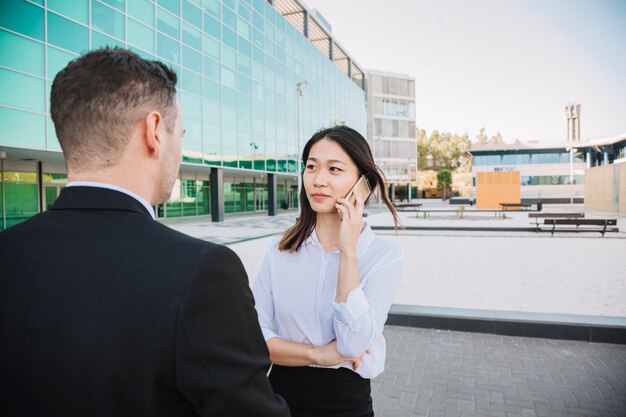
328 355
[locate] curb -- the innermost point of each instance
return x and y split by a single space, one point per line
596 329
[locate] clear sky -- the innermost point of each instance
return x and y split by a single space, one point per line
509 66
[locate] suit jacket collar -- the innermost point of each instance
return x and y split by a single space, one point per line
93 198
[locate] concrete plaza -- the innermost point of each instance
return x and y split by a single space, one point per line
446 373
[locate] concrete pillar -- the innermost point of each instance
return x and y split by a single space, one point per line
589 156
605 152
217 194
272 195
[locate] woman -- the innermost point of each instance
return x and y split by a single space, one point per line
325 288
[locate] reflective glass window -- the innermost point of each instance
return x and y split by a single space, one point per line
22 17
19 90
229 57
192 36
212 26
245 47
168 24
229 18
243 29
245 84
192 59
77 9
168 48
142 10
22 129
212 69
192 14
244 66
21 54
192 106
171 5
57 60
229 97
118 4
66 34
229 37
211 47
100 40
212 7
211 112
257 21
229 117
229 78
141 36
244 10
107 20
211 90
230 3
20 198
192 82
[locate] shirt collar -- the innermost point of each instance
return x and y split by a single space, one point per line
114 188
365 240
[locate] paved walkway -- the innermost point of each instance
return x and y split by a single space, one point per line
443 373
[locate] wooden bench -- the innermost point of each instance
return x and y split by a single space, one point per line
538 216
589 225
407 206
460 212
518 206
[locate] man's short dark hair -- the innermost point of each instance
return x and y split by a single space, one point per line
98 99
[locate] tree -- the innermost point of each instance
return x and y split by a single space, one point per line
496 139
442 150
481 138
444 179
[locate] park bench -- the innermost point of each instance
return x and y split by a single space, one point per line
460 212
407 206
538 216
517 206
588 225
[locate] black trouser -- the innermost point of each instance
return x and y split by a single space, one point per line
323 391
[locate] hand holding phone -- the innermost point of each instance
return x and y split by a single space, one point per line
362 186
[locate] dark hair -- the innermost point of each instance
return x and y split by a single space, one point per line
355 145
97 100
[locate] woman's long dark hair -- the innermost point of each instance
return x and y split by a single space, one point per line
355 145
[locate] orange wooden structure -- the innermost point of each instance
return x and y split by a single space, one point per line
494 188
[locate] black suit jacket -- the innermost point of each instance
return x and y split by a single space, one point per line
106 312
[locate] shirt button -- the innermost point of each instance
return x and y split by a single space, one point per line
354 326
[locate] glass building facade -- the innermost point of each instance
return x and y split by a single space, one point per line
238 63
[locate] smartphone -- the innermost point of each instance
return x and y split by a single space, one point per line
364 190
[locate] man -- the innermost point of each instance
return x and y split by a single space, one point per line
103 310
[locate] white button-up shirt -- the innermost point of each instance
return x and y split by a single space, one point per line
295 293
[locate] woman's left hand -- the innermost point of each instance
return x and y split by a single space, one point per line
351 223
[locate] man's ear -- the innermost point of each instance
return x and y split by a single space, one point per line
152 137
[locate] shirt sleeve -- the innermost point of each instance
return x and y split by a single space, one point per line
263 297
360 320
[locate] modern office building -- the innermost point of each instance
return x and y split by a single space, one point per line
391 127
239 63
545 169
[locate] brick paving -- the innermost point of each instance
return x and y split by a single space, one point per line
445 374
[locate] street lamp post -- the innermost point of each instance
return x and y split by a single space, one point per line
571 151
408 183
299 93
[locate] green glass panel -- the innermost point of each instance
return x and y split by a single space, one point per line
66 34
118 4
229 97
24 91
243 29
229 57
142 10
168 24
204 200
212 26
171 5
1 206
229 3
192 14
212 69
22 129
211 46
21 54
211 112
51 196
22 17
57 60
245 47
192 59
229 18
100 40
107 20
244 10
192 106
192 82
211 90
212 7
75 9
52 142
229 79
229 37
168 48
20 202
192 36
141 36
